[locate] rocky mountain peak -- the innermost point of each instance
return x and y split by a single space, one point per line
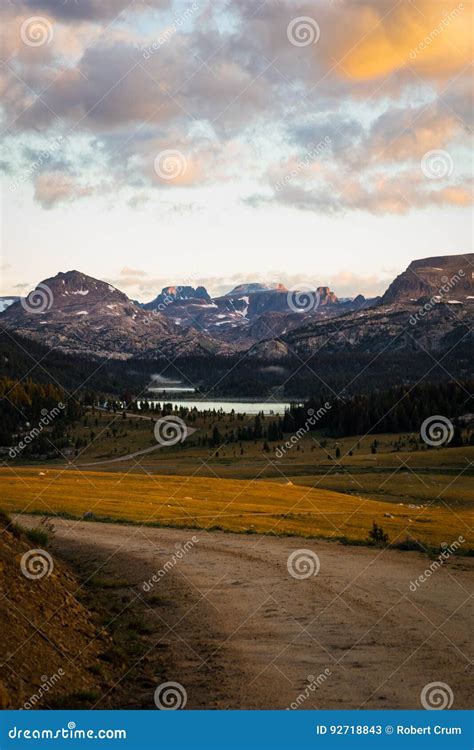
255 288
81 313
71 288
449 277
177 294
77 312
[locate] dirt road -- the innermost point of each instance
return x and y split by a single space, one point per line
227 620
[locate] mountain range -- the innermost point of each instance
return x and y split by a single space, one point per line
249 312
430 305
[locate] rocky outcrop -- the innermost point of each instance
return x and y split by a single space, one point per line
175 295
385 329
449 277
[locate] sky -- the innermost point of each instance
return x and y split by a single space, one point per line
162 143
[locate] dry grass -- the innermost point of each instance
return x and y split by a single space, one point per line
44 630
231 505
400 486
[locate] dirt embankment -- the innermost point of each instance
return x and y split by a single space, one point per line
51 649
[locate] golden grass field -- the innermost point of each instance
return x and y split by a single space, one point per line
411 487
396 473
227 504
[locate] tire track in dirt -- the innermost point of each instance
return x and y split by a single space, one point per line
230 623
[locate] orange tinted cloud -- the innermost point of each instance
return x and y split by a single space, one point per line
433 38
57 187
456 196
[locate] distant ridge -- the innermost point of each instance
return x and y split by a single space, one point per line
78 313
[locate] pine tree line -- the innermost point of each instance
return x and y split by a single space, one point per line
401 409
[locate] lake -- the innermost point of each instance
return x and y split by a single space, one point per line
241 407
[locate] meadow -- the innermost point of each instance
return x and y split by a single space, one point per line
321 487
229 505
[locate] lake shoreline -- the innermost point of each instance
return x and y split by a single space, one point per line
240 406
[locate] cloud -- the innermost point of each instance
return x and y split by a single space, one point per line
384 36
343 283
132 272
375 192
225 87
403 134
52 188
73 10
